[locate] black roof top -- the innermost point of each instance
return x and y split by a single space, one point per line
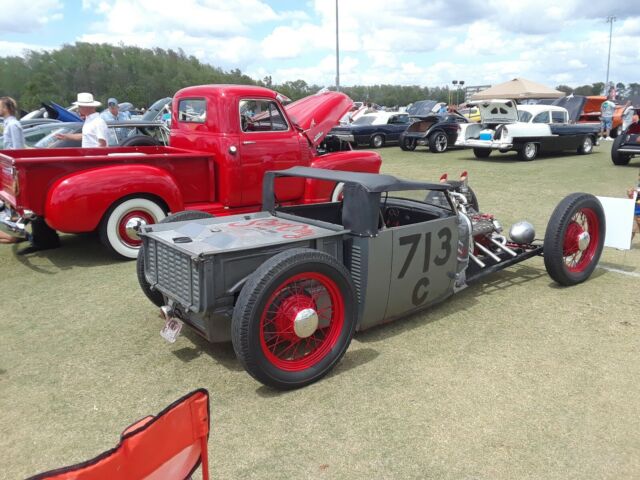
371 182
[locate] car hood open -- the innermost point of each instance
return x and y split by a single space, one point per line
317 114
497 111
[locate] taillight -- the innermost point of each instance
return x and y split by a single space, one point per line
16 183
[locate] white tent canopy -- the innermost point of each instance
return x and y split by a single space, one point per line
518 88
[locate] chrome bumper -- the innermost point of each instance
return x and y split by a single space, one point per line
10 223
345 138
485 144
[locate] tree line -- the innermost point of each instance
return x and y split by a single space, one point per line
141 76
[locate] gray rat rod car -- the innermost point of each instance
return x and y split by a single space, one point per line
290 285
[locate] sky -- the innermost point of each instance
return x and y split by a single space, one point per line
423 42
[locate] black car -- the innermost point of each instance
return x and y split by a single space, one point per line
372 129
626 145
435 131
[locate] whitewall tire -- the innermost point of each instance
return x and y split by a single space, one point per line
118 227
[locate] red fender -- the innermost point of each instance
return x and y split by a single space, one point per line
350 161
76 203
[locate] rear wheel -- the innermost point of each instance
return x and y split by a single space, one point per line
528 152
574 239
294 318
586 147
438 142
154 295
377 141
482 152
619 158
119 226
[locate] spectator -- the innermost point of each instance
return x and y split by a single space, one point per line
94 131
13 136
606 118
113 113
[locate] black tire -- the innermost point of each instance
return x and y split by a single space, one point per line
246 330
587 146
617 157
154 295
481 152
528 151
140 141
558 237
377 141
43 236
408 144
438 142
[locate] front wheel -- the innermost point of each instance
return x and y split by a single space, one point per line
438 142
408 144
619 158
294 318
119 227
574 239
528 152
154 295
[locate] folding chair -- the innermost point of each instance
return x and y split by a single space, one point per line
170 445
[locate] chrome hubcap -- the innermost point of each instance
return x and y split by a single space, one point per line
306 322
530 150
583 241
441 142
133 225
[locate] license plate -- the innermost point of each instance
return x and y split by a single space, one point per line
171 330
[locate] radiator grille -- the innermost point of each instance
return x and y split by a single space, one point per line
356 269
174 272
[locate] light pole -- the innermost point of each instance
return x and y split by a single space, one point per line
338 52
454 83
460 83
610 21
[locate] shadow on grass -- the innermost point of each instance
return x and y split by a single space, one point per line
598 272
83 250
624 268
352 359
512 157
222 353
502 280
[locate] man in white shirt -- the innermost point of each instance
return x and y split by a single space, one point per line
94 131
13 136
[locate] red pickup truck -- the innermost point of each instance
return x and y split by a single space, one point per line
223 139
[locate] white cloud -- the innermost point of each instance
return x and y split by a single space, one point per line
26 17
16 49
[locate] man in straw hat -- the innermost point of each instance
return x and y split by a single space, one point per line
94 131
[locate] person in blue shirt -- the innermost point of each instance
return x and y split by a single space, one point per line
13 135
113 113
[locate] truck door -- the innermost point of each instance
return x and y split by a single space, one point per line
267 142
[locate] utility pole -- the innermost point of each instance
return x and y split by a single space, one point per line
610 21
338 52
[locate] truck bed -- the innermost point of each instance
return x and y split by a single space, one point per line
39 169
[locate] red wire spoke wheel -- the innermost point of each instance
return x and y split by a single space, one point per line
294 318
574 239
302 321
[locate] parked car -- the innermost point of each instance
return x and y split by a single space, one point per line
125 134
424 108
29 123
290 285
586 109
525 129
437 132
223 139
626 145
372 129
471 113
34 134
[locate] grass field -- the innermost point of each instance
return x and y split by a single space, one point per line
513 378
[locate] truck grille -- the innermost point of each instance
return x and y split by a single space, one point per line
173 272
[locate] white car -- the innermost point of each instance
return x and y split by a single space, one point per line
526 129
